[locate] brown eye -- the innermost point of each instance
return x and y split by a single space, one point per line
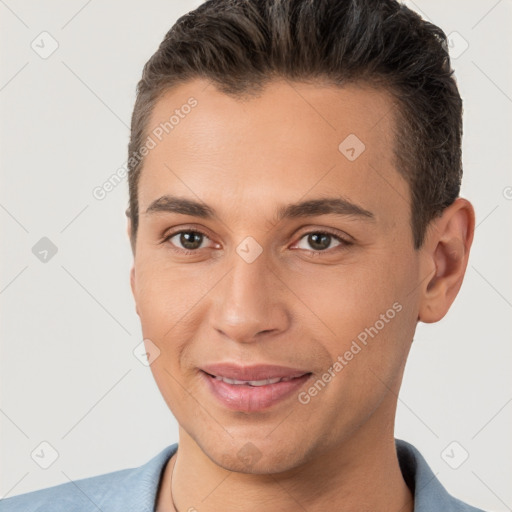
190 239
186 240
319 242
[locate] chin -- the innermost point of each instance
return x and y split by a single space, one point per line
257 455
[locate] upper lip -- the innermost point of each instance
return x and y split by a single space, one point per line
253 372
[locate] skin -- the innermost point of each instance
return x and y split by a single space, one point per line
294 305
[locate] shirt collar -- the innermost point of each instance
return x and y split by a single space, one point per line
429 493
142 483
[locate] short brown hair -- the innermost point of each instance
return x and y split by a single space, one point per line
240 45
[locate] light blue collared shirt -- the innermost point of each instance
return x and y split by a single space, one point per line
135 489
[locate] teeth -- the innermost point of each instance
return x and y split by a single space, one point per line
263 382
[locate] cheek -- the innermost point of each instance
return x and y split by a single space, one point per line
348 298
366 312
171 305
166 297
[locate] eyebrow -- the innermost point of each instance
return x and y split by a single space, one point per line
310 208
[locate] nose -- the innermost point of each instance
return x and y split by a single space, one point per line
249 303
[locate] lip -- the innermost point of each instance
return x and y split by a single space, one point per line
247 398
254 372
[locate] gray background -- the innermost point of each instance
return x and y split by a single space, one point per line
68 328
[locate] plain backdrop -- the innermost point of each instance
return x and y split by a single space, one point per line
68 328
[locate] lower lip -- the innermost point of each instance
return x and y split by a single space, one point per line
243 397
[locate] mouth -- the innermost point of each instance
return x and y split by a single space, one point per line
253 373
255 383
251 389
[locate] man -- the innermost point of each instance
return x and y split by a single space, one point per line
295 169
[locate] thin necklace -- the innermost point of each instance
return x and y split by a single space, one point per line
172 480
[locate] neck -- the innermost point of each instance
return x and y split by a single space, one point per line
361 473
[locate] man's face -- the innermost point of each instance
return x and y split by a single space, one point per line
255 290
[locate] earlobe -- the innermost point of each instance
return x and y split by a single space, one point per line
446 257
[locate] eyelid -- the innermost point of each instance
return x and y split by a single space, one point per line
328 231
183 229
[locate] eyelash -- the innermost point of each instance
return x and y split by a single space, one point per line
187 252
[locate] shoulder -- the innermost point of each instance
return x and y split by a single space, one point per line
123 490
81 494
429 493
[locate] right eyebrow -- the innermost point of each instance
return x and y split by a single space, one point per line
173 204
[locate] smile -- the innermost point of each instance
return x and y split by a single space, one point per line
252 393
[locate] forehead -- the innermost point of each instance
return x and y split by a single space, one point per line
291 141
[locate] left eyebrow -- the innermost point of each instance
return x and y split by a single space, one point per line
324 206
310 208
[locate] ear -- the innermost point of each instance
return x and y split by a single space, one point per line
132 269
445 258
129 231
132 286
